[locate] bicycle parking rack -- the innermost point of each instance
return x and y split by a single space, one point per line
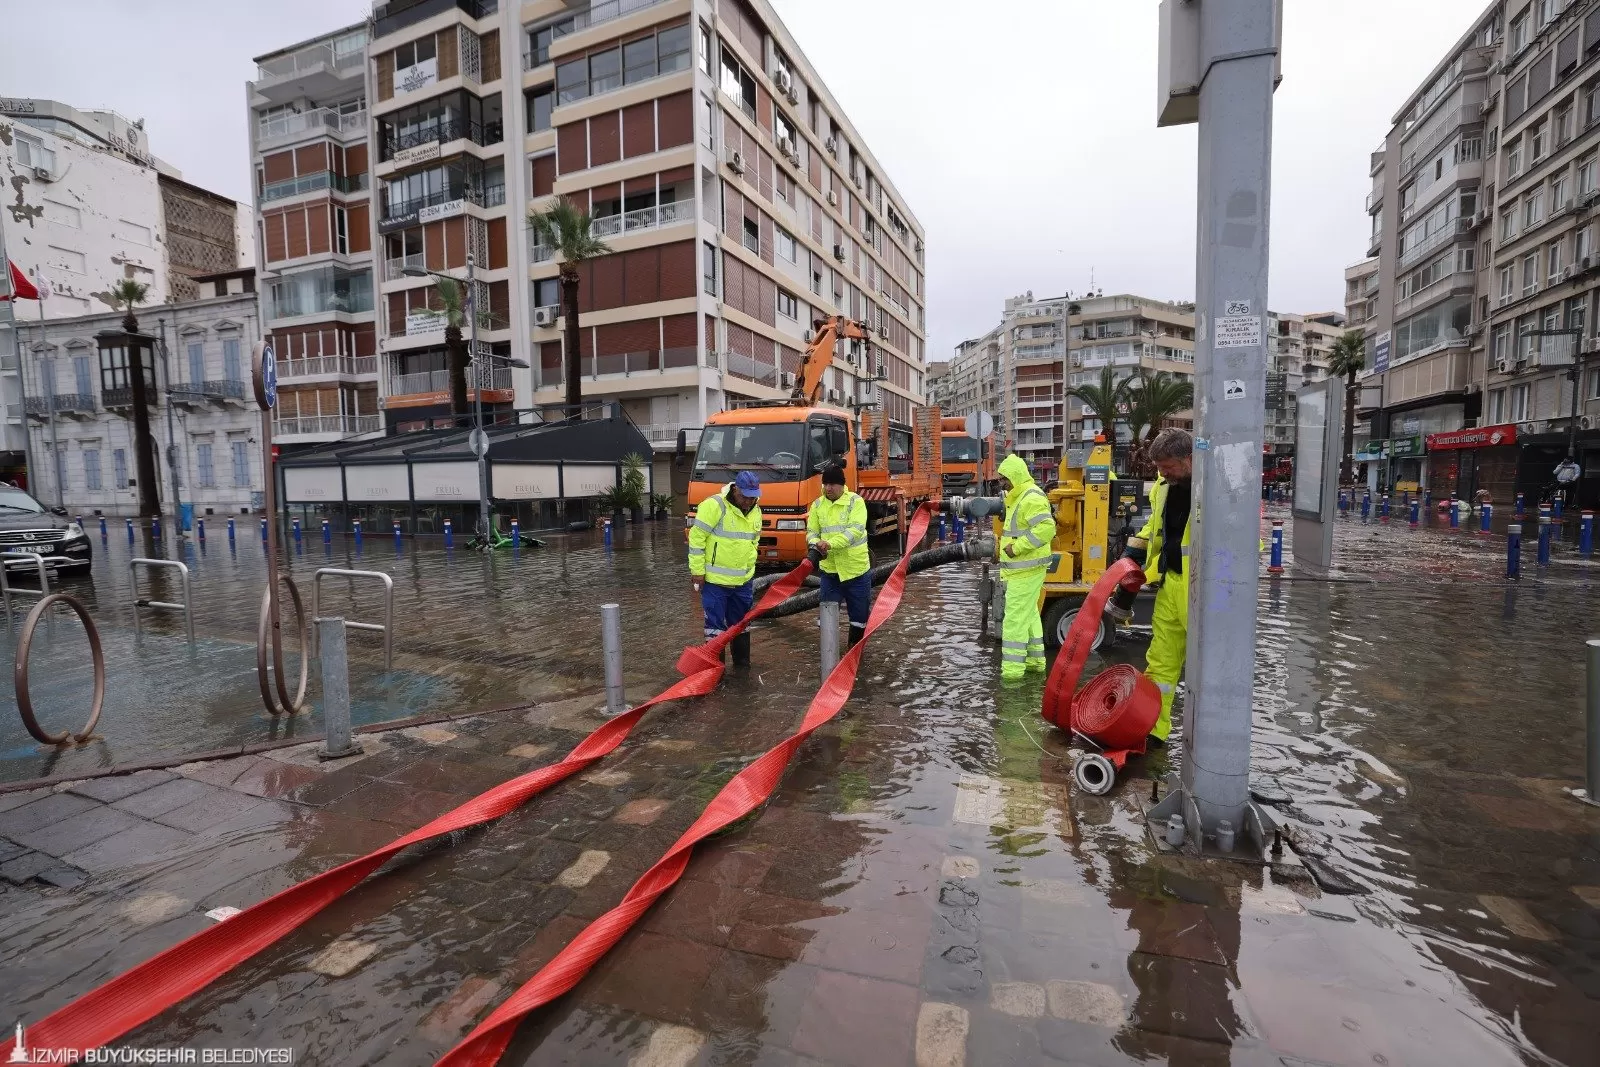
386 628
20 672
268 635
7 591
183 573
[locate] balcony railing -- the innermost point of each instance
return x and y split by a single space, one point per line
349 425
395 267
305 368
493 196
227 388
310 183
438 381
645 218
294 125
37 405
627 364
488 320
305 60
608 11
398 14
537 252
443 130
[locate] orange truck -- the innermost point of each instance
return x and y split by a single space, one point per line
968 461
787 443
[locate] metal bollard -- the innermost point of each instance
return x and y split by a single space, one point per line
1514 550
1586 534
611 643
1555 508
200 530
1406 498
1485 516
941 528
263 529
1455 514
1427 499
398 537
516 535
961 531
231 532
828 615
327 533
296 524
130 531
606 525
1383 510
1344 504
103 534
155 527
1546 532
335 690
356 527
1521 510
449 534
1366 506
1592 764
1276 566
1416 513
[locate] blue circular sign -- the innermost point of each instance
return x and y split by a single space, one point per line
267 377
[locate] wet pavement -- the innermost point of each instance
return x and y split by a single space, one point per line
925 886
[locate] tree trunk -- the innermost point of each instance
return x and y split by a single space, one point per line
130 322
1347 475
570 340
144 445
456 357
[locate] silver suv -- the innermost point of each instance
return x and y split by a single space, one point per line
28 526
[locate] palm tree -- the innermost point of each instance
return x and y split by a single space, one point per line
565 230
452 309
1152 399
125 294
1348 358
1107 401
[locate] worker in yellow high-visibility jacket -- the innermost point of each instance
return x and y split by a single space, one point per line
836 532
1028 530
1162 549
724 538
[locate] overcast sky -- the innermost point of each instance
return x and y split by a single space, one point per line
1024 141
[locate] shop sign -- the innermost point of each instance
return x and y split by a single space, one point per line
417 76
1380 353
1480 437
420 153
422 323
435 212
1405 446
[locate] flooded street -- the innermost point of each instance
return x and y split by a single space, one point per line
926 886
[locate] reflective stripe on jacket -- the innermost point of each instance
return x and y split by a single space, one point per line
1151 534
1029 522
723 541
842 524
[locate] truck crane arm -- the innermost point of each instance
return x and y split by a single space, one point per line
819 355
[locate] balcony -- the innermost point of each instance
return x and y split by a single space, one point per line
319 292
645 218
398 14
313 366
438 381
442 131
629 364
414 328
395 267
311 183
65 404
1374 198
492 196
337 425
298 126
313 71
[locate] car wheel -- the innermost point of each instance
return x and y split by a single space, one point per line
1061 613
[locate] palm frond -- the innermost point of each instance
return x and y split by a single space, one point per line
566 230
1349 354
128 293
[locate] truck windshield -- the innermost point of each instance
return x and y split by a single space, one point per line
960 450
775 451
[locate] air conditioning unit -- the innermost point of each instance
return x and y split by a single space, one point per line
1464 225
1562 210
736 162
1483 217
43 174
786 146
833 198
1504 300
883 331
1503 366
544 316
782 80
838 253
1585 422
786 379
1488 105
868 393
1530 428
793 96
857 179
833 395
1566 272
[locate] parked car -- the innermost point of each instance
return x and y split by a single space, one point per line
28 526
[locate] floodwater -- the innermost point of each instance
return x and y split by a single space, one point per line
925 885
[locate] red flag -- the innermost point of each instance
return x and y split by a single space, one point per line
22 288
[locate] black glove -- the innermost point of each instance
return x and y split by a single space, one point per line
814 556
1135 553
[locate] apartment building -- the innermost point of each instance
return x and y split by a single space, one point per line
1479 313
310 132
1299 348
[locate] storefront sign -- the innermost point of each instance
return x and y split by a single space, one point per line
1482 437
525 481
1380 353
422 323
1372 451
417 76
445 481
312 485
588 479
377 483
1405 446
397 222
420 153
447 210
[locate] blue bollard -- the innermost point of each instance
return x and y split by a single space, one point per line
1455 514
1586 534
398 537
1514 551
1383 508
516 534
263 529
1555 508
1521 510
103 534
1485 516
231 532
200 530
1546 530
130 531
1416 513
607 526
327 533
356 527
1366 506
1276 565
941 529
1427 499
1344 503
155 527
1406 499
449 534
296 523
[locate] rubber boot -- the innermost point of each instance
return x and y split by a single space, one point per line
857 635
740 647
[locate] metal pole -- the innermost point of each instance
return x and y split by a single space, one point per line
22 370
1237 59
335 690
477 402
1592 778
828 613
48 367
611 643
172 436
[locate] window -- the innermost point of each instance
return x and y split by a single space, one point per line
82 375
1580 245
752 235
1559 190
708 267
1508 225
1532 209
1513 156
33 153
1586 174
241 463
816 282
786 245
572 81
639 60
1503 348
1507 282
703 48
205 472
788 307
539 41
1519 403
1553 261
1591 105
1563 125
197 363
119 468
1530 274
230 360
1548 10
1497 406
540 103
547 293
341 232
1536 142
1519 33
605 71
673 46
91 469
1593 392
409 55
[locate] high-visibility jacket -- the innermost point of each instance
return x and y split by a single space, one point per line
723 541
842 524
1029 527
1152 534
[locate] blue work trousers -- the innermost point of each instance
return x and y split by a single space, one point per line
855 595
725 605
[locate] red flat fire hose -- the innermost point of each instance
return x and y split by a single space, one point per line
745 792
1118 707
111 1010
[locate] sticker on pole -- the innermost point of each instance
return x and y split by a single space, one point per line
1238 331
1233 389
266 376
478 441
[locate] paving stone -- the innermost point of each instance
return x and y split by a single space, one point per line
61 876
1175 928
657 976
980 801
583 871
165 797
1192 999
150 908
528 751
1086 1002
941 1035
342 957
1025 1000
608 778
111 789
1517 918
641 812
959 867
462 1008
742 867
871 943
24 867
21 798
670 1046
1056 891
699 911
430 735
1589 894
858 1022
145 843
273 779
210 813
222 772
47 809
393 803
10 850
77 831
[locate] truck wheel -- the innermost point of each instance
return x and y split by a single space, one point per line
1059 615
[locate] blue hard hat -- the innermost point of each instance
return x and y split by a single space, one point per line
748 484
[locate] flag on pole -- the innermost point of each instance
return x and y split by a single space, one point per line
21 287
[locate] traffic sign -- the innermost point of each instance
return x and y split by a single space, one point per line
478 441
266 375
980 424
